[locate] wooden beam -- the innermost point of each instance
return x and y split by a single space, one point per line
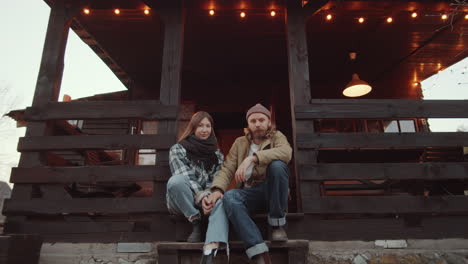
90 174
381 140
95 142
148 110
384 171
172 55
48 81
319 229
56 227
386 204
84 206
313 7
382 108
298 59
298 66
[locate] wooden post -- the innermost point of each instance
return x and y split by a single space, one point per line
47 89
47 85
173 18
299 86
169 94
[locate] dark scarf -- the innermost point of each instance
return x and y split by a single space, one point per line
201 151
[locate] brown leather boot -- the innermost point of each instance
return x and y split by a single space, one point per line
263 258
277 233
196 235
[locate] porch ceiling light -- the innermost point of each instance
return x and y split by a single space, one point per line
356 87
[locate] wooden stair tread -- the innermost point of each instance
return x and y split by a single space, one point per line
292 243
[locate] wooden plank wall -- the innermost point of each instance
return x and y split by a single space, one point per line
41 202
428 173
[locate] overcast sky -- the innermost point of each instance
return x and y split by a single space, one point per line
23 24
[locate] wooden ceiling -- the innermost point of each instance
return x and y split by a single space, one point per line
245 60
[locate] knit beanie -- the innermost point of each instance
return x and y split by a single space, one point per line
258 108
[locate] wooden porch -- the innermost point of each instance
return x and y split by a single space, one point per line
345 186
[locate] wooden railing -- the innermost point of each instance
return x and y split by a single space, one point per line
312 174
43 187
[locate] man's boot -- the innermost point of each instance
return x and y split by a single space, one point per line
277 233
263 258
196 235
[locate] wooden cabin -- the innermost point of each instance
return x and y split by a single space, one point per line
95 169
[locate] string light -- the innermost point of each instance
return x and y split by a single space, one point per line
211 12
414 15
273 13
389 20
361 20
466 16
444 17
146 11
329 17
117 11
86 11
242 14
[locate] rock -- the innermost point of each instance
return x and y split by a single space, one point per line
123 261
145 261
134 247
452 258
5 192
359 260
391 243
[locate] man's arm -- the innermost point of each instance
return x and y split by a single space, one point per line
281 151
223 178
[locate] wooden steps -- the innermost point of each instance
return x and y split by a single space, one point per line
20 249
292 251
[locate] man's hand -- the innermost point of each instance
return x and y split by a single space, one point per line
206 205
242 169
215 196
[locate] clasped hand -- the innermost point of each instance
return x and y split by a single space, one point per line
209 201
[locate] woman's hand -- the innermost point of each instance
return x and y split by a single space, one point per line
206 205
215 196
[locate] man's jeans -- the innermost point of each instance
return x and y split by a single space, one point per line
180 200
271 195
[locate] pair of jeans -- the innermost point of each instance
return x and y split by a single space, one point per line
271 195
180 200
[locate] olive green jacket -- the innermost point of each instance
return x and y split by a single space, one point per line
276 147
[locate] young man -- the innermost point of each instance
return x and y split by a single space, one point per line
258 161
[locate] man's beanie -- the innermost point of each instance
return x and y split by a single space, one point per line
258 108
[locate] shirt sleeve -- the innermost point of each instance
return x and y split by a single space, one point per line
180 165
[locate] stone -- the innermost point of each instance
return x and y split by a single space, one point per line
123 261
146 261
5 192
359 259
391 243
452 258
134 247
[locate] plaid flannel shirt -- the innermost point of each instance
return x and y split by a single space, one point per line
200 179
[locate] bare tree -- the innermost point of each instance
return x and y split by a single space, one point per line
8 134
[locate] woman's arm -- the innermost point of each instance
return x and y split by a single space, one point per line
180 165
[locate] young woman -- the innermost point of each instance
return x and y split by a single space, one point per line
194 161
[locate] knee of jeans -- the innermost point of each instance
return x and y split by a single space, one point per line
277 165
175 183
229 198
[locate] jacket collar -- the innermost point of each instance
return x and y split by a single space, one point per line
265 143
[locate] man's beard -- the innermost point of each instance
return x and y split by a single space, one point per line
258 134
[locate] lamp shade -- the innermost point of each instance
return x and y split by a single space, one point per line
356 87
